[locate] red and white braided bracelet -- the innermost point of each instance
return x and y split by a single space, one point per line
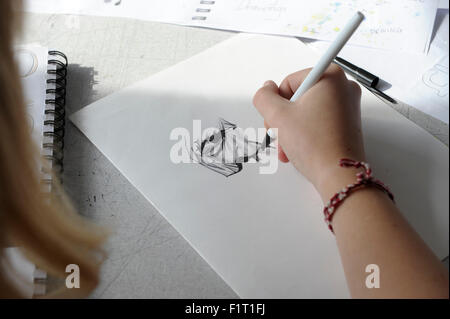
362 179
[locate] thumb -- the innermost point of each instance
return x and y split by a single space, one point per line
269 103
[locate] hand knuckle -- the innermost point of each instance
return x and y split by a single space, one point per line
335 70
296 76
356 88
258 97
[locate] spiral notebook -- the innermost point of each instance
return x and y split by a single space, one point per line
43 75
263 234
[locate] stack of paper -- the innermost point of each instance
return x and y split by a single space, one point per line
384 27
395 42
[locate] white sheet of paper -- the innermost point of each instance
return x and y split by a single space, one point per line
263 234
32 63
173 11
430 91
404 25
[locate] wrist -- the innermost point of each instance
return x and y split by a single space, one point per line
334 178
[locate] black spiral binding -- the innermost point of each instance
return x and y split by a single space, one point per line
203 10
55 102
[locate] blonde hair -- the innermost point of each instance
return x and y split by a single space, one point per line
47 228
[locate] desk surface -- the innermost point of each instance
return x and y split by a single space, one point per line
147 257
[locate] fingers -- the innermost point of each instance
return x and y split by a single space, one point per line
269 103
334 72
356 88
291 83
281 154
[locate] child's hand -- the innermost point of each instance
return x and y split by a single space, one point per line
320 128
315 132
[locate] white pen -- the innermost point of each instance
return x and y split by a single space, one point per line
329 55
332 51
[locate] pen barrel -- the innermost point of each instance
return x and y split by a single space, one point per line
361 75
332 51
367 78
